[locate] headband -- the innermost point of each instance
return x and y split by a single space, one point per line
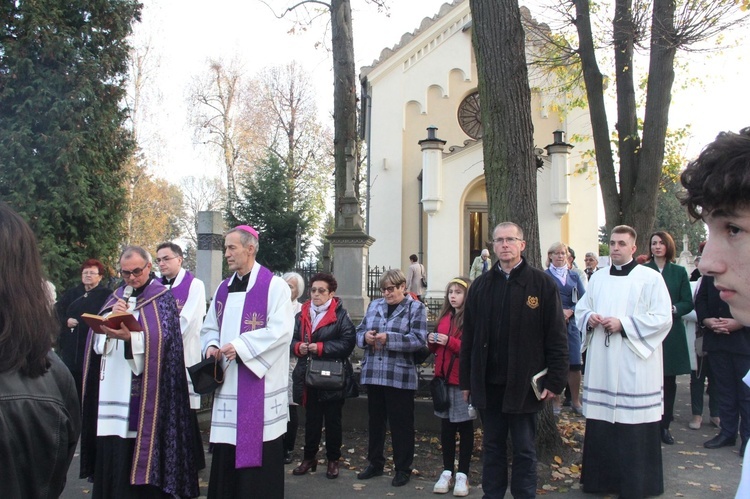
248 229
459 281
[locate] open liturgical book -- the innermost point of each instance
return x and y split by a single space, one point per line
112 321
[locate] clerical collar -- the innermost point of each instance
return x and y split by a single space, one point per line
622 270
167 281
138 291
239 283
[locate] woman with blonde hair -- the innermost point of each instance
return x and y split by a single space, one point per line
571 288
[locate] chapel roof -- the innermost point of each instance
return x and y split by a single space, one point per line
426 23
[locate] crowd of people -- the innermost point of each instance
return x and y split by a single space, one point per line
127 393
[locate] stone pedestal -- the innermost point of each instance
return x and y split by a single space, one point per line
210 250
351 249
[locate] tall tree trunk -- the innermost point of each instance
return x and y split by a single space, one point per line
508 141
594 82
344 112
640 209
633 201
505 96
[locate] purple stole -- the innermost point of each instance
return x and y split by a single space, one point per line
182 290
250 388
144 407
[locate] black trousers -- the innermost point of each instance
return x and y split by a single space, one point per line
670 393
263 482
465 430
315 414
290 437
394 406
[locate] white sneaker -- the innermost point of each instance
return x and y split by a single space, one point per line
443 484
461 488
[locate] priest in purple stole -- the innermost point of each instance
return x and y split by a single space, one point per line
137 442
249 328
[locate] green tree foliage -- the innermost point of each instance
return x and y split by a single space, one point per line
636 43
672 217
62 141
263 203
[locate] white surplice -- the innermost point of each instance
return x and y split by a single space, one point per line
265 351
624 379
191 320
115 380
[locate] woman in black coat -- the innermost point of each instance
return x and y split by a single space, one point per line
323 330
87 297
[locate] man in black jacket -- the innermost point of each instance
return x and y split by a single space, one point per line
727 342
513 329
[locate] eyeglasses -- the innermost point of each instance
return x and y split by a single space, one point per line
388 289
135 272
86 274
560 254
322 291
509 240
165 259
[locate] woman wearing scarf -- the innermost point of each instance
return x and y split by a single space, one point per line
571 288
322 329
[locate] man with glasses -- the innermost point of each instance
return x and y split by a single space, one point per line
591 261
626 313
249 329
190 295
136 397
514 328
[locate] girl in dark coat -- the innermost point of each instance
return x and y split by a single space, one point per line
323 329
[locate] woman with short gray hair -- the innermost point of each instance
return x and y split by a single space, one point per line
393 328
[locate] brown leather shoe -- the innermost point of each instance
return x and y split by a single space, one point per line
304 466
333 470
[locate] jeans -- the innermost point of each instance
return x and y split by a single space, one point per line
522 429
697 387
734 394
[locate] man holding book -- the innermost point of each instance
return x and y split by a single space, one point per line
135 400
190 296
514 328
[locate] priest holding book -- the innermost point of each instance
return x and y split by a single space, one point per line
135 399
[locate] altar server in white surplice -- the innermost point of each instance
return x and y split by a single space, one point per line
626 313
249 326
190 295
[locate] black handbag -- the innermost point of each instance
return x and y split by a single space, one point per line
325 374
207 375
441 400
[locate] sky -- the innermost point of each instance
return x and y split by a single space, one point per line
184 34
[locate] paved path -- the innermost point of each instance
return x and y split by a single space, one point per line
690 471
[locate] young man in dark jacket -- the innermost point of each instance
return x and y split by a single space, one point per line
513 328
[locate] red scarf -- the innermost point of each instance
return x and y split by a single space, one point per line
305 329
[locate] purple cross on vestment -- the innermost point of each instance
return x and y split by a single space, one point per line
250 388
